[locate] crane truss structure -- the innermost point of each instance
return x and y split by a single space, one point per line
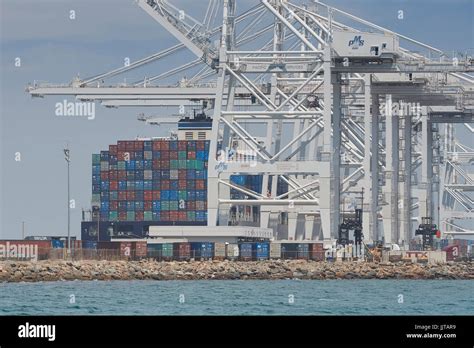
330 109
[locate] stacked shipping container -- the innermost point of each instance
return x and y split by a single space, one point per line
151 180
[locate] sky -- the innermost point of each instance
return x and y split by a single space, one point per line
54 48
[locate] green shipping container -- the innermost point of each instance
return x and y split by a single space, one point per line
199 165
190 164
173 164
121 165
130 215
182 155
148 216
182 164
174 205
191 215
167 250
182 195
165 205
95 159
113 216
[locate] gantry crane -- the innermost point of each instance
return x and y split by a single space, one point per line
313 99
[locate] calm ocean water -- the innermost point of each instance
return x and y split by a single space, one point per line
239 297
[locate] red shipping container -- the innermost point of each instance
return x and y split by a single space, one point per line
121 175
173 155
182 251
121 145
164 164
139 249
122 215
174 215
113 205
165 215
182 216
113 185
315 247
182 174
165 155
25 249
113 149
122 196
316 251
156 164
191 154
138 145
156 195
452 252
165 184
130 195
148 205
113 175
191 205
200 145
104 176
165 145
200 184
182 145
125 248
156 145
123 156
148 196
139 215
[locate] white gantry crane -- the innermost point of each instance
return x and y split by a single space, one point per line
329 113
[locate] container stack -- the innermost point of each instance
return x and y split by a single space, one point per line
151 180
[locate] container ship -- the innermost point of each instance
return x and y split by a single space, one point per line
144 183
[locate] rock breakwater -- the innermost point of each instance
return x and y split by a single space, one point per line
272 269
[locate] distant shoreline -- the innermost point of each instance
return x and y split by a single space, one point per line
21 271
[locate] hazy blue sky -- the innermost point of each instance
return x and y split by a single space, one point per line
54 48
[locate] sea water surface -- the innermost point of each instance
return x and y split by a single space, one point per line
239 297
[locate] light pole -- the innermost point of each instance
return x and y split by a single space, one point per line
68 160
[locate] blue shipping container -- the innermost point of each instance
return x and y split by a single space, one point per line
201 215
246 251
130 165
202 250
57 244
262 251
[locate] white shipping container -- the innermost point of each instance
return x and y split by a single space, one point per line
275 250
219 249
232 251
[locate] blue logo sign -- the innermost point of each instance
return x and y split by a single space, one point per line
356 42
